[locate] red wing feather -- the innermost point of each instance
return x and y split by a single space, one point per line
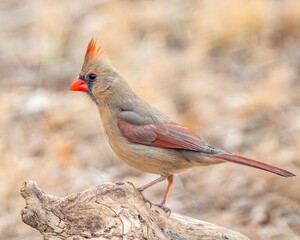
176 136
161 135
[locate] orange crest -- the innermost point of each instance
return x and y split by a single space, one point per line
92 51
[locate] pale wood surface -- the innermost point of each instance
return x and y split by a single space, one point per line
111 211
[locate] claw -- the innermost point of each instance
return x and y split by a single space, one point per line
163 207
146 200
160 205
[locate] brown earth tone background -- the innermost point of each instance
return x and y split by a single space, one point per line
229 71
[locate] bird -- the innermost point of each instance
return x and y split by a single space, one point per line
141 135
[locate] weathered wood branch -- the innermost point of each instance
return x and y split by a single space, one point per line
110 211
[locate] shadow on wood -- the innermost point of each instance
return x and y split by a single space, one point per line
110 211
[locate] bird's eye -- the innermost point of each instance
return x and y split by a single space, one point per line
92 76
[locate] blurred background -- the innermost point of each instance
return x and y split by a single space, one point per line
229 71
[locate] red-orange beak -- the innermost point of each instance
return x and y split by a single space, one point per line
79 85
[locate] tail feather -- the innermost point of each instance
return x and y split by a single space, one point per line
253 163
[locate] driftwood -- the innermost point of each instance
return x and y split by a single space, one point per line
110 211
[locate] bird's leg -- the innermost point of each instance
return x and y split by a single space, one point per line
158 180
170 183
143 188
163 202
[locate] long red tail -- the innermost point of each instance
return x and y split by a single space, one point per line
253 163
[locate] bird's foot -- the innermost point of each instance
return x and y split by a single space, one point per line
160 205
163 207
140 190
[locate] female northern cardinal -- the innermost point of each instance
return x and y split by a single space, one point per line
141 135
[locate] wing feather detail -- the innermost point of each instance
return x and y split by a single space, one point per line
170 135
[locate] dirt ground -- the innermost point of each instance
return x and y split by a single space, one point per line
230 72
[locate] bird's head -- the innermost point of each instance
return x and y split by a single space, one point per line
97 73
